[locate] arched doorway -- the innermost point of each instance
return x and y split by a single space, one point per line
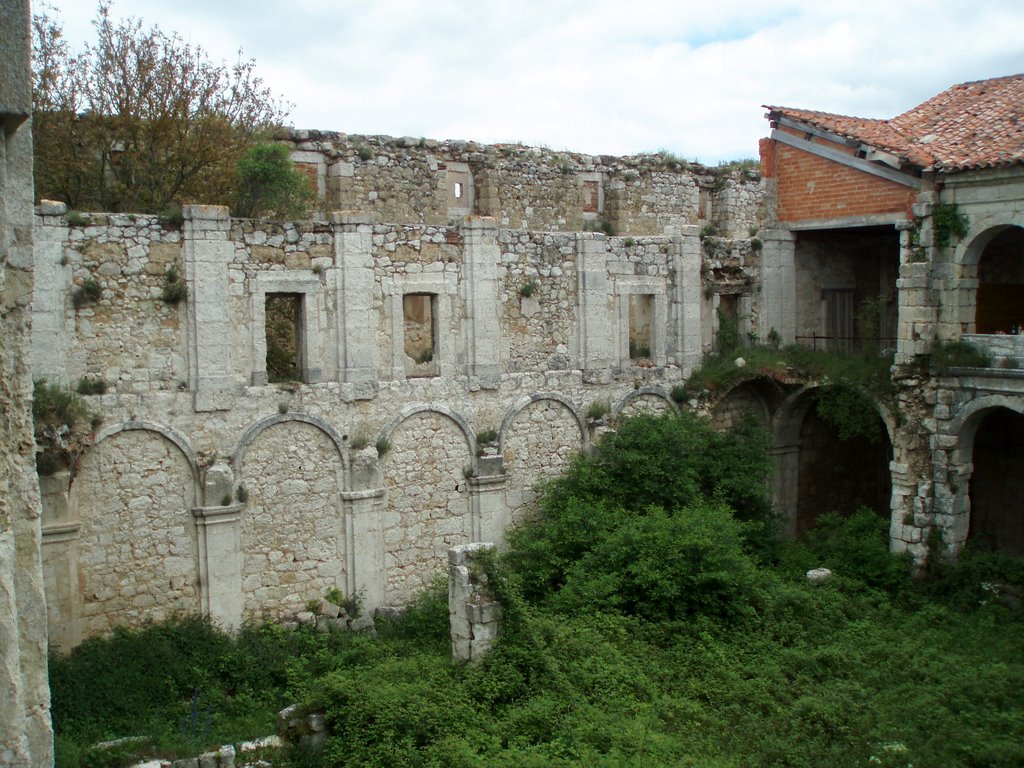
836 473
997 483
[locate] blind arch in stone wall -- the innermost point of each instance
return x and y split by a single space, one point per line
292 532
428 508
137 543
539 438
643 400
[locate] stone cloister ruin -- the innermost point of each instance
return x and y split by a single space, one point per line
338 402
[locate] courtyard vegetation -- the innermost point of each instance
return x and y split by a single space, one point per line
651 617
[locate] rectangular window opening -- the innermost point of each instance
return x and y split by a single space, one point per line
728 334
419 312
641 321
458 190
284 337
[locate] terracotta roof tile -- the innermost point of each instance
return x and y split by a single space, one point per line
970 125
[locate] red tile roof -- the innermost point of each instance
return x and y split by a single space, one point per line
970 125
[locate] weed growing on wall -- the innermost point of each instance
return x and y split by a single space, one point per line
63 425
947 355
948 223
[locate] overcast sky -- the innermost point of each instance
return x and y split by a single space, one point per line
593 76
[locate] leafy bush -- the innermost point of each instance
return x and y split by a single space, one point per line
269 185
857 547
665 567
669 462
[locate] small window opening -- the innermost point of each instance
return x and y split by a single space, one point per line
284 337
591 197
641 315
458 190
420 334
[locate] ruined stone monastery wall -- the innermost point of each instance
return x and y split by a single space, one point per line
210 489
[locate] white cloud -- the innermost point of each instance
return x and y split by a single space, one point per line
595 76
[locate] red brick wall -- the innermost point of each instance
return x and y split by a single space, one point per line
811 187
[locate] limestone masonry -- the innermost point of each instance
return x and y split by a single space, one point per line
337 403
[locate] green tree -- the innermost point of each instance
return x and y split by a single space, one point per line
140 119
268 184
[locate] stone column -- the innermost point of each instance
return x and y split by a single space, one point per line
353 285
686 297
488 509
207 252
778 285
595 320
917 312
363 505
52 286
480 294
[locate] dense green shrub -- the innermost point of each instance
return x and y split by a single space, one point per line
269 185
667 462
665 567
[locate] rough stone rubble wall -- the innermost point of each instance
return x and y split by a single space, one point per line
249 498
26 738
410 180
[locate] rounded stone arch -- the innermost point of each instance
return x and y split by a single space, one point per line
291 529
991 276
791 412
965 421
527 400
981 475
814 471
746 396
168 433
642 394
137 541
254 431
428 508
442 410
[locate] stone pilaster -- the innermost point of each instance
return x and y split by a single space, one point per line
220 563
778 285
686 299
353 283
595 344
207 253
363 504
489 513
480 294
60 563
49 299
